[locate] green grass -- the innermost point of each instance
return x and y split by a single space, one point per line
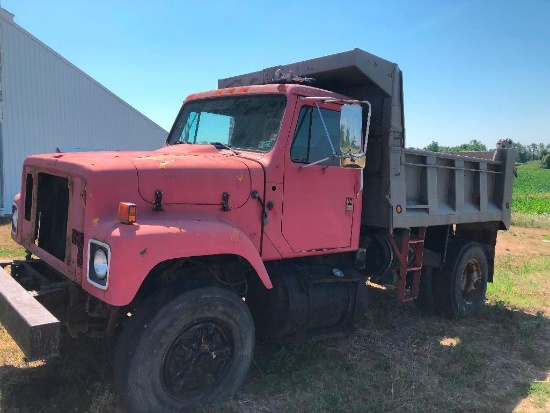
540 393
8 248
532 190
521 284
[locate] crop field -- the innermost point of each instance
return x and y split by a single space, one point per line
398 359
532 190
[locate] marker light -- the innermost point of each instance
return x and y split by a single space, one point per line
127 212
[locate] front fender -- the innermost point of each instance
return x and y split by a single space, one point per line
136 249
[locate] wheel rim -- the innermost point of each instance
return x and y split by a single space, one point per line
197 360
471 282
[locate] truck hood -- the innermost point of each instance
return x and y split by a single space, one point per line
185 174
195 178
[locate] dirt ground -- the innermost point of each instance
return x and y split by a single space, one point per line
524 242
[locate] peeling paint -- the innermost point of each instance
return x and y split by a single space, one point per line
234 235
95 221
160 158
240 178
164 163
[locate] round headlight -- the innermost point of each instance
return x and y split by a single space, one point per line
14 218
100 264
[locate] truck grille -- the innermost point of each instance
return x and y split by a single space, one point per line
51 214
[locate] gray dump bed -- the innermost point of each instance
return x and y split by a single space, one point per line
406 188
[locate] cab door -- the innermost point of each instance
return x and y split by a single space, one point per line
319 199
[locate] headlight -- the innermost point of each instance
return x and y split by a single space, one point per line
100 264
14 218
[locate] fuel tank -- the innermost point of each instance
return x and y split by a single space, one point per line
308 301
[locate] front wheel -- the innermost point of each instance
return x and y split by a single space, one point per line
185 352
462 284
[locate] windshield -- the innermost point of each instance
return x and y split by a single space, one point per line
240 122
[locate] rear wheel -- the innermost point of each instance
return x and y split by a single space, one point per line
462 284
426 298
185 352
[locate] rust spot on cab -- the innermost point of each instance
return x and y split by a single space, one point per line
95 221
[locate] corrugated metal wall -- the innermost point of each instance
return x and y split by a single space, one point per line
49 103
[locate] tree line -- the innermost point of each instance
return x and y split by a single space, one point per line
533 152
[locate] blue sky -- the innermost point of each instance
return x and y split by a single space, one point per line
472 69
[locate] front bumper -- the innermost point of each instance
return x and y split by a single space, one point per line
35 330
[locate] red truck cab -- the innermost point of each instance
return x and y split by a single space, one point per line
235 177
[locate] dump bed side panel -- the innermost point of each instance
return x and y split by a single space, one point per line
441 189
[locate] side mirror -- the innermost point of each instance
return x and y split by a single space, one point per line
351 144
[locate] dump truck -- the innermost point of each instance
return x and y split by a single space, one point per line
274 200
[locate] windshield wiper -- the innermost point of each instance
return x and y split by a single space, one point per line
221 145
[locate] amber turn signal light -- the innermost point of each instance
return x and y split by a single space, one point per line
127 212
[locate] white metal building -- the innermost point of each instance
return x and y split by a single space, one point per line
48 103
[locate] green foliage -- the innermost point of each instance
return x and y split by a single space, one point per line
526 153
473 146
531 152
433 147
532 190
545 161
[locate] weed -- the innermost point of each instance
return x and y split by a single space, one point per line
281 363
104 400
530 221
530 328
539 392
470 356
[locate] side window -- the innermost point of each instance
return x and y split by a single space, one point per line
310 143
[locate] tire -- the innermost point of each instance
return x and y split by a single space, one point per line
426 292
180 352
462 284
